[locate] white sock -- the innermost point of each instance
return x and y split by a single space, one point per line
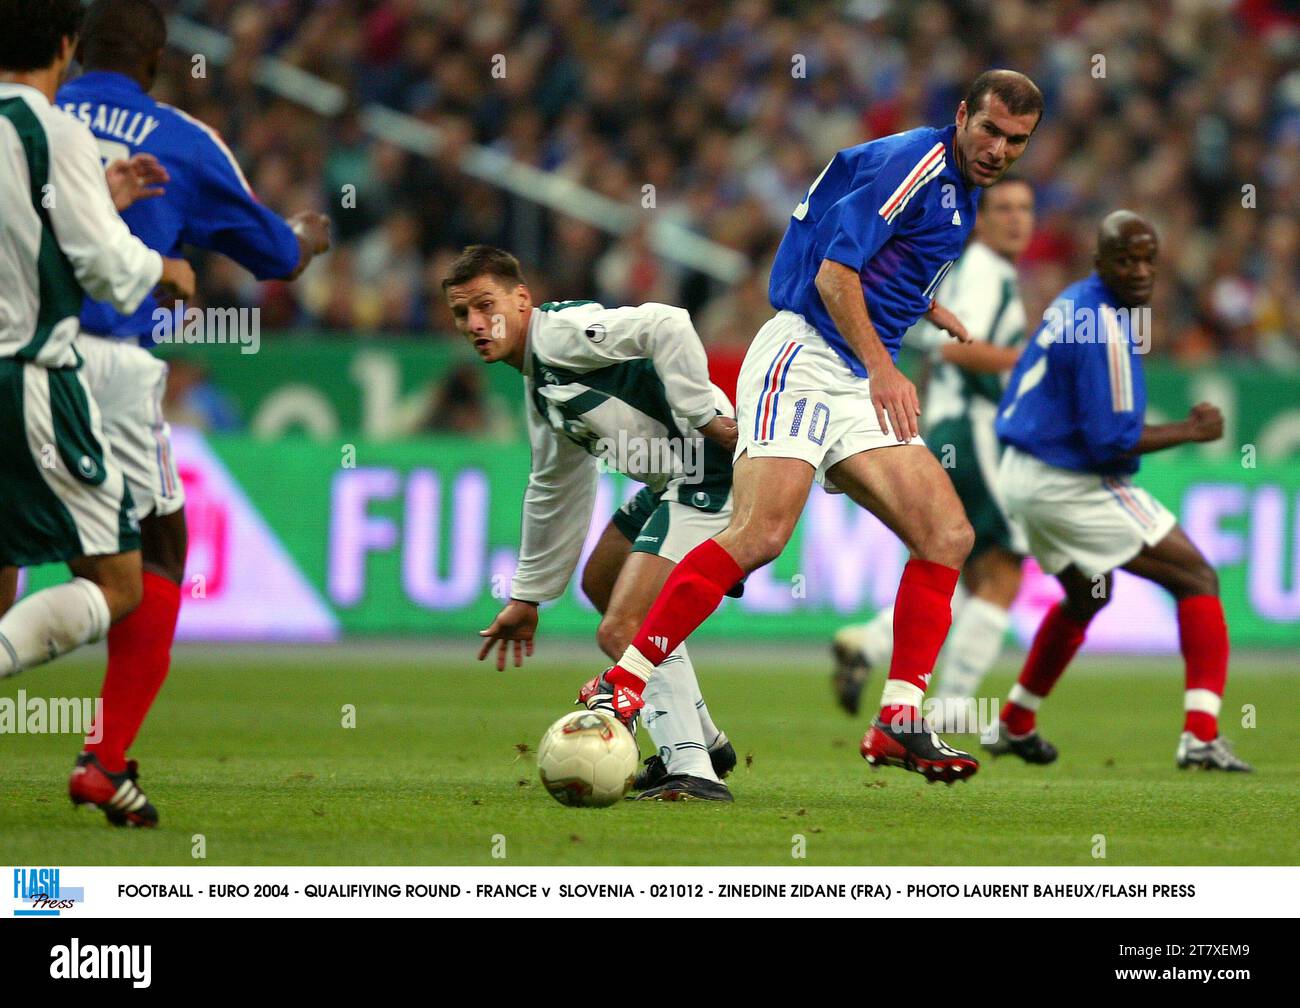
50 623
973 646
713 735
875 639
671 718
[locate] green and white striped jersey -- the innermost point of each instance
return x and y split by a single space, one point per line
625 389
60 235
982 290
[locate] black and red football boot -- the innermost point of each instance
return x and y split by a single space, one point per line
913 745
116 794
598 694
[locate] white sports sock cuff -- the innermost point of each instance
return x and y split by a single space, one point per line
1021 697
899 693
101 618
992 614
1203 700
638 664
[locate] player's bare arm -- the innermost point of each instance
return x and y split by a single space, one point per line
1203 423
892 394
981 357
177 278
941 318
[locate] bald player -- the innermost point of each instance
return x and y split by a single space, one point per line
1072 422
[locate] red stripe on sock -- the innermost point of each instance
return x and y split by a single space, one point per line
690 595
1203 639
139 656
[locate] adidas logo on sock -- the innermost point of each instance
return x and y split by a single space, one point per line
626 702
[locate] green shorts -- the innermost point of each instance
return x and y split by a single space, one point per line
970 453
64 495
669 528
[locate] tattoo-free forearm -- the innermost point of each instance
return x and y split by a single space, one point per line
1157 437
984 358
841 292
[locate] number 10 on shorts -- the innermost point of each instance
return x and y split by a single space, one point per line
817 423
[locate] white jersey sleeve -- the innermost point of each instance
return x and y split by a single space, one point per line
661 333
558 505
110 263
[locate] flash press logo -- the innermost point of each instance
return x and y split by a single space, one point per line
40 893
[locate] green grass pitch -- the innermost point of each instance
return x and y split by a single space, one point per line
246 748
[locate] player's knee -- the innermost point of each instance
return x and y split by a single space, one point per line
951 542
122 595
614 635
1007 585
757 540
1085 601
1202 579
164 543
765 544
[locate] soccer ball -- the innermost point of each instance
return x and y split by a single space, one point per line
587 758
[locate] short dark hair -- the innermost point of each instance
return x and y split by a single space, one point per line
33 30
477 260
122 35
1017 92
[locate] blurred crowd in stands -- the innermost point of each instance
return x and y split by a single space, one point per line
1186 110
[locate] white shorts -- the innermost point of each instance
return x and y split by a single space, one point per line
1097 523
797 399
128 384
62 493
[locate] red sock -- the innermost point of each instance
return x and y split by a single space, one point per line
1056 642
693 590
1203 639
922 616
139 655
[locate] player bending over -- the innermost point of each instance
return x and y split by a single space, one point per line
209 204
630 387
1072 420
819 397
65 497
961 404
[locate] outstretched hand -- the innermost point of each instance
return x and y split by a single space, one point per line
941 318
142 177
516 623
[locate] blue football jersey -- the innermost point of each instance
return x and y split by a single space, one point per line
208 202
1077 396
898 211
